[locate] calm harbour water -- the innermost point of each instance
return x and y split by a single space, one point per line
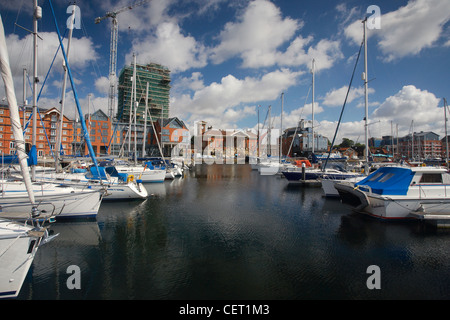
225 232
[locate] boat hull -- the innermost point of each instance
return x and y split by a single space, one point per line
17 251
115 190
72 203
144 174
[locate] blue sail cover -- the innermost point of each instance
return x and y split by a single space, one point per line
388 181
32 157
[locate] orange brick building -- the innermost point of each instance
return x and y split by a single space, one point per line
46 133
99 128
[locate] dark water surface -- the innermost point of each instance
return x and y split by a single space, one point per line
225 232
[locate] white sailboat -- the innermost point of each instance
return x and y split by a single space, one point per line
18 242
117 187
17 199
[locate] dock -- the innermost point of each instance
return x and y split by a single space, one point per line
441 220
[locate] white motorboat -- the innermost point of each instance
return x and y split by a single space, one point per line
401 193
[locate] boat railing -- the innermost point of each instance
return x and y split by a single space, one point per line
364 188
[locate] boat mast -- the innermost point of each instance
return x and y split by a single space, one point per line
281 133
257 146
145 121
131 107
16 127
446 136
63 97
24 95
37 15
312 124
366 103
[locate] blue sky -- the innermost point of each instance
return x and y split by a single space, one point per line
231 58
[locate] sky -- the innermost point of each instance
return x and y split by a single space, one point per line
232 59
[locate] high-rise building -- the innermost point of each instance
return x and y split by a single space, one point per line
158 79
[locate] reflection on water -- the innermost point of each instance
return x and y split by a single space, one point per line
225 232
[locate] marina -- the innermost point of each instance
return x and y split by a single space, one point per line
227 232
170 191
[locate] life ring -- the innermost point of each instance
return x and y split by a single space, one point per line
130 178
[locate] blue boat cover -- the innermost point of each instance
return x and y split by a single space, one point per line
95 173
388 181
32 156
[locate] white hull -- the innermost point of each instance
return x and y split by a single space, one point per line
51 200
328 186
115 190
414 198
269 169
17 251
146 175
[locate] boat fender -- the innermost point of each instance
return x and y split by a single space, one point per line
130 178
138 181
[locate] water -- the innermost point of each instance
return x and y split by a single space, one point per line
225 232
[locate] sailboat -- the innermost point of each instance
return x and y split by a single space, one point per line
117 188
144 173
53 199
18 242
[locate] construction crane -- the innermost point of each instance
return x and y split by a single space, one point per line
113 51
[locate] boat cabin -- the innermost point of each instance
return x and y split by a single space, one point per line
398 181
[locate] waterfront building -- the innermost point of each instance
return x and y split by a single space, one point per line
98 125
170 132
224 143
299 141
158 79
46 131
421 145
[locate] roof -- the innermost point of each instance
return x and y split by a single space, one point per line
166 122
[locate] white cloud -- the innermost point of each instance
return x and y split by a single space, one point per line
410 103
260 32
169 47
215 100
408 30
82 53
102 85
336 97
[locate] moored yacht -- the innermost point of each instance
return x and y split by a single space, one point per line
401 193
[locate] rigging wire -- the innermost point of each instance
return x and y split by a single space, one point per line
343 107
